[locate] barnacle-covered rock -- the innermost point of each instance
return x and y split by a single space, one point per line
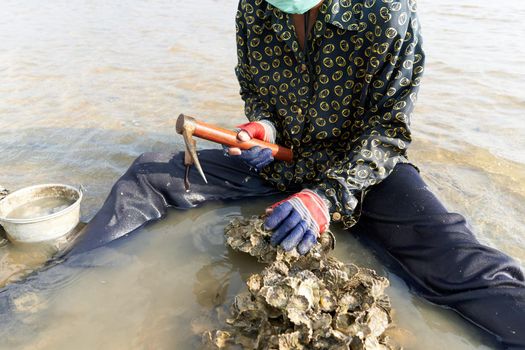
303 302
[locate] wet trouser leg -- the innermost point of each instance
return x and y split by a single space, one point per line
155 181
437 249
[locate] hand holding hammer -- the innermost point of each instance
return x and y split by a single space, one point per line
188 127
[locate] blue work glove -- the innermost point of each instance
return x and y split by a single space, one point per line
297 221
256 157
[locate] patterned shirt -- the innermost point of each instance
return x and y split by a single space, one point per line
344 107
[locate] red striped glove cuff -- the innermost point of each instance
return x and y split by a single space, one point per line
312 209
261 130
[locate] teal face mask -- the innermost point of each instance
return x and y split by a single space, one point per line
294 6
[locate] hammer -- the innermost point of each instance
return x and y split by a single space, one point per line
188 127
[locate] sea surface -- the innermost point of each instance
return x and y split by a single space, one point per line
87 86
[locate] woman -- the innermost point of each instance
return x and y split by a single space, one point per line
336 81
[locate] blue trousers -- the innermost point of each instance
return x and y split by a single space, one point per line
442 258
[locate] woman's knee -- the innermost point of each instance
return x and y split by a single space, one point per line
154 162
402 195
152 157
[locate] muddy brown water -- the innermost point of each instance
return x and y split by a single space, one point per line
88 86
38 208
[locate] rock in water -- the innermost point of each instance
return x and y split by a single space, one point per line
302 302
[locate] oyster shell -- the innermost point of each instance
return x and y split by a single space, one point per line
216 339
302 302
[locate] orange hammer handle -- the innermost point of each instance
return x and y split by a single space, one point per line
229 138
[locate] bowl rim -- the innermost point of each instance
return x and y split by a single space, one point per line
45 217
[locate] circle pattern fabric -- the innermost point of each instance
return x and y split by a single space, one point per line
344 107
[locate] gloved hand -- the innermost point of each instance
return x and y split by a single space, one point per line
298 221
255 157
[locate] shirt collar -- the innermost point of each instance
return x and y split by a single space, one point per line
339 13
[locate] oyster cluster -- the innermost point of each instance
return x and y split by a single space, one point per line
302 302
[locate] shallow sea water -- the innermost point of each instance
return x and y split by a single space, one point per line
88 86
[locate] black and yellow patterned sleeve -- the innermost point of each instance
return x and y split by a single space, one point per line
382 134
254 107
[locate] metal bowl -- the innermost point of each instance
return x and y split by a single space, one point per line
41 228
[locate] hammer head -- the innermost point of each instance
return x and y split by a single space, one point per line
186 126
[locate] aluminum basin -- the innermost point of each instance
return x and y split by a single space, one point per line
42 227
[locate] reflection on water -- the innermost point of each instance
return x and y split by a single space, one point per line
17 261
88 86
